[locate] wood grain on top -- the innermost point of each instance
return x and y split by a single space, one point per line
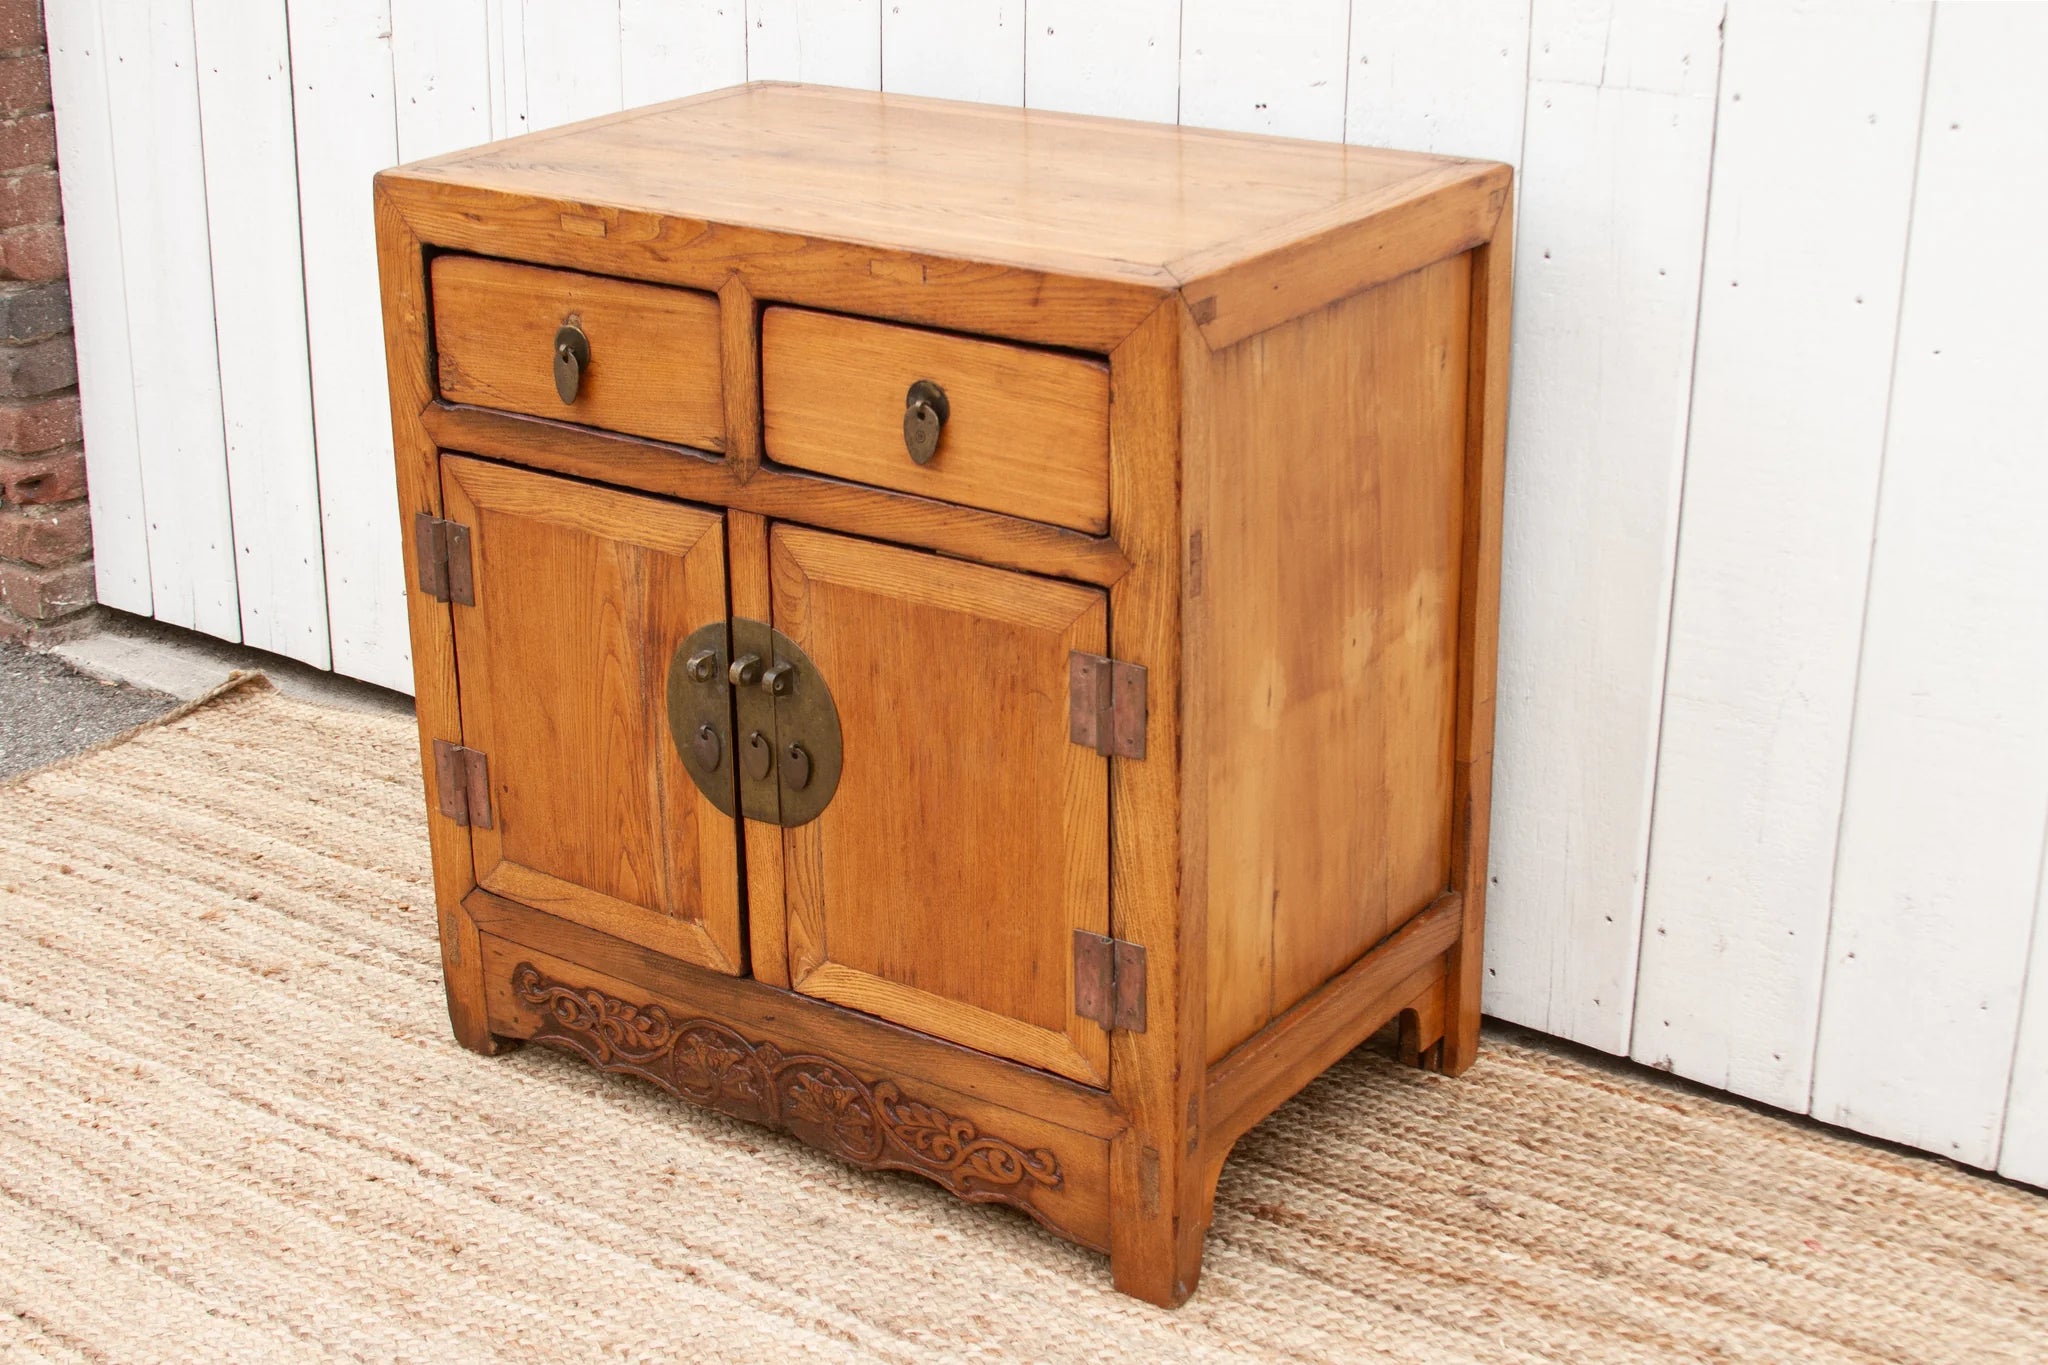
1056 192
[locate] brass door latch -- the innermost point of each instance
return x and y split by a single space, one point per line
746 679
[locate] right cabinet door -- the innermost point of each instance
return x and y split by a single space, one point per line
969 837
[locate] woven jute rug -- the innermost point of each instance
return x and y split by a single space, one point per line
233 1126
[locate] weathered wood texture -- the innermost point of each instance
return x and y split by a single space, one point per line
583 596
655 365
880 186
1329 562
1818 120
747 1057
402 269
774 492
1610 221
1026 432
943 885
1251 1081
1923 1036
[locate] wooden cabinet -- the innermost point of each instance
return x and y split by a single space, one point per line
960 634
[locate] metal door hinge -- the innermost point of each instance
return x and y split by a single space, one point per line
1106 705
462 784
1109 981
441 550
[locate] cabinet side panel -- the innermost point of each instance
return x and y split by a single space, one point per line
1329 594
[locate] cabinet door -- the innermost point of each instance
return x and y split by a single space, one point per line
968 837
582 596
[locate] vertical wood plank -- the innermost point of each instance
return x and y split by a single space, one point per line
1276 67
672 48
1819 118
347 130
2023 1154
746 537
441 75
505 42
259 298
1446 76
99 306
826 42
415 474
1611 219
1486 409
160 178
573 66
955 49
1160 1193
739 363
1121 61
1336 586
1948 765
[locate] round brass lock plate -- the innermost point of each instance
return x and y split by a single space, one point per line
755 722
700 713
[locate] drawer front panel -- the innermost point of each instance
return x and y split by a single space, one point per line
969 836
653 360
1026 432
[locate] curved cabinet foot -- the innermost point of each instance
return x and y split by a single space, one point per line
1161 1263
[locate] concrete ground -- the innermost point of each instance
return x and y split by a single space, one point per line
49 710
66 698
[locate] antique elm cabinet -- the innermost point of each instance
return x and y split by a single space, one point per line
965 635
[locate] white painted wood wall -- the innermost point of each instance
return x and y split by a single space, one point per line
1772 780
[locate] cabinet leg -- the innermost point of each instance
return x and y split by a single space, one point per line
1421 1030
1460 1046
462 971
1159 1259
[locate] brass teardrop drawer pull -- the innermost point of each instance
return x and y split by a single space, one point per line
786 743
572 358
925 410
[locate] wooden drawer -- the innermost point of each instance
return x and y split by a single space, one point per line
1026 431
654 361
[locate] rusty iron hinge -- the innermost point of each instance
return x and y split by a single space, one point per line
441 549
462 784
1109 981
1106 705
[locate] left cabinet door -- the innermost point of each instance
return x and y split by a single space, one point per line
583 595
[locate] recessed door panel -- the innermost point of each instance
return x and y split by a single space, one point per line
583 595
968 837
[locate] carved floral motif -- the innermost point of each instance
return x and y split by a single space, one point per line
813 1097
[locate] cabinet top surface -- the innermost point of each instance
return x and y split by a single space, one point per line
1059 192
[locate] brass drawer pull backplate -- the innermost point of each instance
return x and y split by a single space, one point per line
925 411
572 358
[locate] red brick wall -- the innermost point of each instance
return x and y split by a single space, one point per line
45 529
